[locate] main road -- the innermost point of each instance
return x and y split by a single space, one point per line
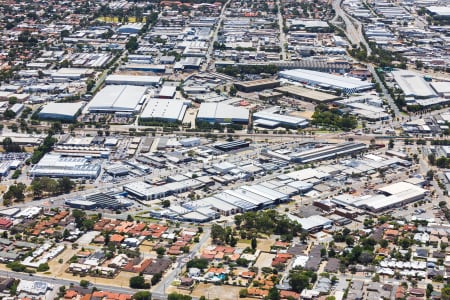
355 36
282 36
60 281
209 54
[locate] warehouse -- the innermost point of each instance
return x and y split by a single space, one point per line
55 165
413 85
134 80
131 28
164 110
305 94
118 98
439 11
233 145
145 191
441 88
222 113
61 111
323 80
271 117
394 195
222 207
257 85
167 92
261 190
328 152
236 201
144 68
64 74
312 223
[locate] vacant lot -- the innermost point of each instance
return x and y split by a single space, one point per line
264 260
211 291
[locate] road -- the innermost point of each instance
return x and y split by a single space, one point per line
386 94
354 34
209 54
66 282
282 37
160 289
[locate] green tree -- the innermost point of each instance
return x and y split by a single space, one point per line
391 144
430 289
176 296
132 44
253 243
445 293
10 146
15 192
199 263
299 281
243 293
156 278
274 294
160 251
138 282
65 185
43 267
142 295
218 232
84 283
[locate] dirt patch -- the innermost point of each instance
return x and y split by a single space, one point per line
211 291
264 260
264 244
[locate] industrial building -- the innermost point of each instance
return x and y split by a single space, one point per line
367 107
145 191
394 195
133 80
54 165
164 110
130 28
167 92
222 113
257 85
441 88
413 85
65 74
328 152
233 145
311 224
99 200
61 111
347 85
305 94
274 116
439 11
118 99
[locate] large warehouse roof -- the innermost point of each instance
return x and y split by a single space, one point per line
54 165
441 87
118 98
133 80
412 84
400 187
439 10
307 94
61 110
320 78
170 110
221 112
273 114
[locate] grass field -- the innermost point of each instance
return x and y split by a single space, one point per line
108 19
